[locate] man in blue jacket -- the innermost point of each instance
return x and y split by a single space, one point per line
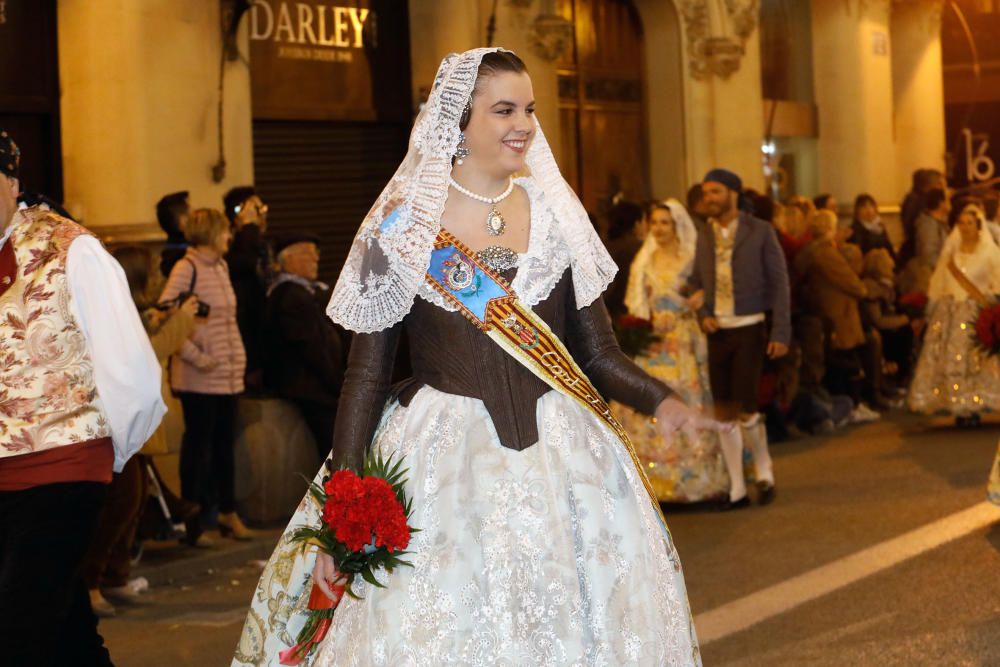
741 274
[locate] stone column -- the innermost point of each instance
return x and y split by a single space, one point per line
853 86
139 109
917 86
665 108
723 99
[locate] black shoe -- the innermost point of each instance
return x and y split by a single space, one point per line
728 505
193 533
765 493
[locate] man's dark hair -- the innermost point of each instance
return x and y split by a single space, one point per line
39 199
861 200
923 179
169 211
622 219
820 201
237 197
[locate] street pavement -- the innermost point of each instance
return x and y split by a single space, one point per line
878 551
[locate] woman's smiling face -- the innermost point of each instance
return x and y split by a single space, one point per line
502 124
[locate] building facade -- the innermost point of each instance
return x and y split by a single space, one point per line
122 101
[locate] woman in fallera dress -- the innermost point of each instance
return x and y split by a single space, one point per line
539 541
953 376
688 467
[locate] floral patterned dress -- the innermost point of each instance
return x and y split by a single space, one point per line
690 468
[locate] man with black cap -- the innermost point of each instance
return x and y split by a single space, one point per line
249 260
741 270
79 395
172 212
304 351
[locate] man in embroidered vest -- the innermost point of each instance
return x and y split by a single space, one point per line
740 268
79 394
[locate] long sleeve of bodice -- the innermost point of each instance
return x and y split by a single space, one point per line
594 347
363 396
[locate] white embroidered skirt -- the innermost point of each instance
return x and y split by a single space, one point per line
553 555
952 375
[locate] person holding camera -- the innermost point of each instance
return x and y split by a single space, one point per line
250 270
207 373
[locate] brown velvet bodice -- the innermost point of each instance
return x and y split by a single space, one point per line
451 355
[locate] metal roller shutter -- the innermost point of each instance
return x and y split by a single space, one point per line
322 177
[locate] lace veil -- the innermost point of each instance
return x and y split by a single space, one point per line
387 261
637 297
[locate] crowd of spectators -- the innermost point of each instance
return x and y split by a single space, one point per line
858 299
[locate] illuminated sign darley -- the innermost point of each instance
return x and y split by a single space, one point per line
308 24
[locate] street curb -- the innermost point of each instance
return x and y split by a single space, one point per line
190 564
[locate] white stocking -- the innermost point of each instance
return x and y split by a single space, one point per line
731 441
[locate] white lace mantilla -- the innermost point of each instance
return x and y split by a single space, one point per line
388 259
548 556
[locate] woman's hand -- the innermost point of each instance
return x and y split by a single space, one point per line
190 306
696 300
156 317
673 415
325 574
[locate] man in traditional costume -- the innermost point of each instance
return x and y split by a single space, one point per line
79 394
740 268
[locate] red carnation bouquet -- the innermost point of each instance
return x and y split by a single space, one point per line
987 328
634 334
365 527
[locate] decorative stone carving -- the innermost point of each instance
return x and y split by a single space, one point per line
716 32
932 11
550 36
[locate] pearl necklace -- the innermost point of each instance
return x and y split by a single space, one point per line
495 224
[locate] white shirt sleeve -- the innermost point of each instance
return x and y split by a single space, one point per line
126 371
